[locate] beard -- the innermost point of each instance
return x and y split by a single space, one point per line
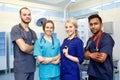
26 22
95 31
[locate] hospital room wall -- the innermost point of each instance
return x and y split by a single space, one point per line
10 18
21 3
88 4
113 16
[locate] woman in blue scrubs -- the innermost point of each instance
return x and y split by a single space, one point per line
47 49
71 53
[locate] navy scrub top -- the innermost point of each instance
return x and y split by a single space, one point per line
69 70
103 71
23 62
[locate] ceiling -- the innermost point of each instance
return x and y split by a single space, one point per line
55 3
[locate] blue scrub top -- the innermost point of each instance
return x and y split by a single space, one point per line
69 70
44 48
103 70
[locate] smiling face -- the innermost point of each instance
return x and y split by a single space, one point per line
48 27
71 28
25 15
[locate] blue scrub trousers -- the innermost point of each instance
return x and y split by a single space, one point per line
69 77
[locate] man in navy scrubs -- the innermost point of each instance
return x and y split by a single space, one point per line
99 51
23 39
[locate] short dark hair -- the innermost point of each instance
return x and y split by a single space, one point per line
22 9
94 16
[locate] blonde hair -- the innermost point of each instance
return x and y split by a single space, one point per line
74 22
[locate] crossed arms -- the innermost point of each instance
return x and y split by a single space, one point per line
47 60
96 56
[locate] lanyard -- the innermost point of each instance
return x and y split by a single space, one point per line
98 40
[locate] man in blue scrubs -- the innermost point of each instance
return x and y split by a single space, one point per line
23 39
99 51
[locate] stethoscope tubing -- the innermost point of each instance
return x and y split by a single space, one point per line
42 38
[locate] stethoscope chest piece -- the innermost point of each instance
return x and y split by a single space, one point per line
32 42
53 46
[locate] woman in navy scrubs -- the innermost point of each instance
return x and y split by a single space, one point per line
71 53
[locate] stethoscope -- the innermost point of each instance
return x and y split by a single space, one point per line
97 42
21 32
42 38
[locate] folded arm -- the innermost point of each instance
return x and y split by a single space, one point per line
73 58
56 59
96 56
24 46
47 60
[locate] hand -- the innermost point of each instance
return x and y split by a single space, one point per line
31 52
56 62
47 60
95 56
65 51
56 59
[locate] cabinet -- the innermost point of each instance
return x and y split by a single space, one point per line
3 51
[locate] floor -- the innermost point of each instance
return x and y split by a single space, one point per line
10 76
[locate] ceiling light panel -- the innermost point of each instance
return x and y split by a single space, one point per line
52 1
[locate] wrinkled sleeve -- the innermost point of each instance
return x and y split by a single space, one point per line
80 51
37 49
59 47
107 45
15 33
